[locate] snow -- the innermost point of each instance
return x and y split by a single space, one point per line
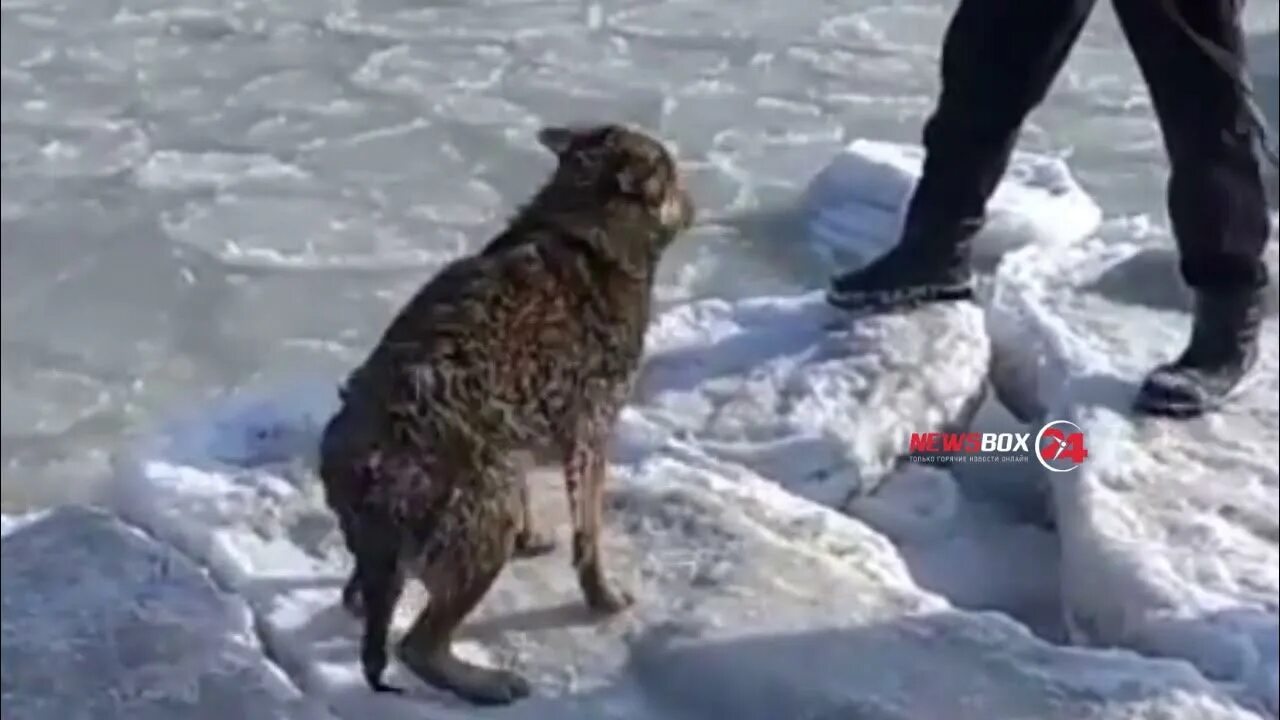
1168 531
857 204
101 621
753 602
964 541
792 389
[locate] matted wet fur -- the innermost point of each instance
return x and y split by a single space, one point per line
530 346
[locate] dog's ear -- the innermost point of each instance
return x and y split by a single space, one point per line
556 138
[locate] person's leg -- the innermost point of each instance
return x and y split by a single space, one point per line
999 58
1217 202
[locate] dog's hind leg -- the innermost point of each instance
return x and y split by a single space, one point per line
472 557
427 649
341 469
381 583
352 592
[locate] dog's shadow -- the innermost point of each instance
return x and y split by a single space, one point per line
333 633
554 617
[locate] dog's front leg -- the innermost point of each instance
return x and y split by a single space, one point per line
586 467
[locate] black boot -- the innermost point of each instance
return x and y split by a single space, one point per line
1223 347
925 267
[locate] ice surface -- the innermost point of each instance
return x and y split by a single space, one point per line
752 602
290 231
1169 529
857 203
257 167
103 622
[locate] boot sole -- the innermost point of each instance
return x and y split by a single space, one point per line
1189 411
874 302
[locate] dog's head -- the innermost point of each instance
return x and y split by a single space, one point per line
611 164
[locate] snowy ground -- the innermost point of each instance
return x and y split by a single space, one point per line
102 622
203 197
753 602
1169 533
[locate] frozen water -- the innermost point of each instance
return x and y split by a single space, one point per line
785 608
102 622
1168 530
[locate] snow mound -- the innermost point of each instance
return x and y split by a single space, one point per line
1168 529
856 204
806 397
101 621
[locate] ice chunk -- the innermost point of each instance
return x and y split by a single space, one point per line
174 170
437 184
1168 529
101 621
807 397
857 203
430 70
81 149
710 116
752 602
580 96
685 24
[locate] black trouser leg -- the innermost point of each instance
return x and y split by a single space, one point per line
1217 203
999 58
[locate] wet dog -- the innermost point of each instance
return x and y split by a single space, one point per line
530 346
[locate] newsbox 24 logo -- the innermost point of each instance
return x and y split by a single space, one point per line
1060 446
